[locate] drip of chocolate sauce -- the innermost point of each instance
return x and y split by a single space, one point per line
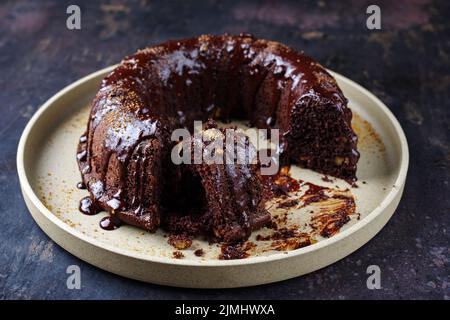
281 184
81 185
87 207
313 189
109 223
82 155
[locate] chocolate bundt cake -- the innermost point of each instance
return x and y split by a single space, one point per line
124 156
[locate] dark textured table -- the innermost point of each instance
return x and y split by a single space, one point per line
406 64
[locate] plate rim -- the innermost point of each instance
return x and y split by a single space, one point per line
390 197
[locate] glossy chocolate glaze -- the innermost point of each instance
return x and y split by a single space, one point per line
88 207
81 185
124 154
109 223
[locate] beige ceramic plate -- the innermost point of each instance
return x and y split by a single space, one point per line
48 175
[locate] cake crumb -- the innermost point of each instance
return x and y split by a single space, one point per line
177 255
199 252
179 241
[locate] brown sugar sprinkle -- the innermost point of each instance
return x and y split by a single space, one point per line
178 255
179 241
